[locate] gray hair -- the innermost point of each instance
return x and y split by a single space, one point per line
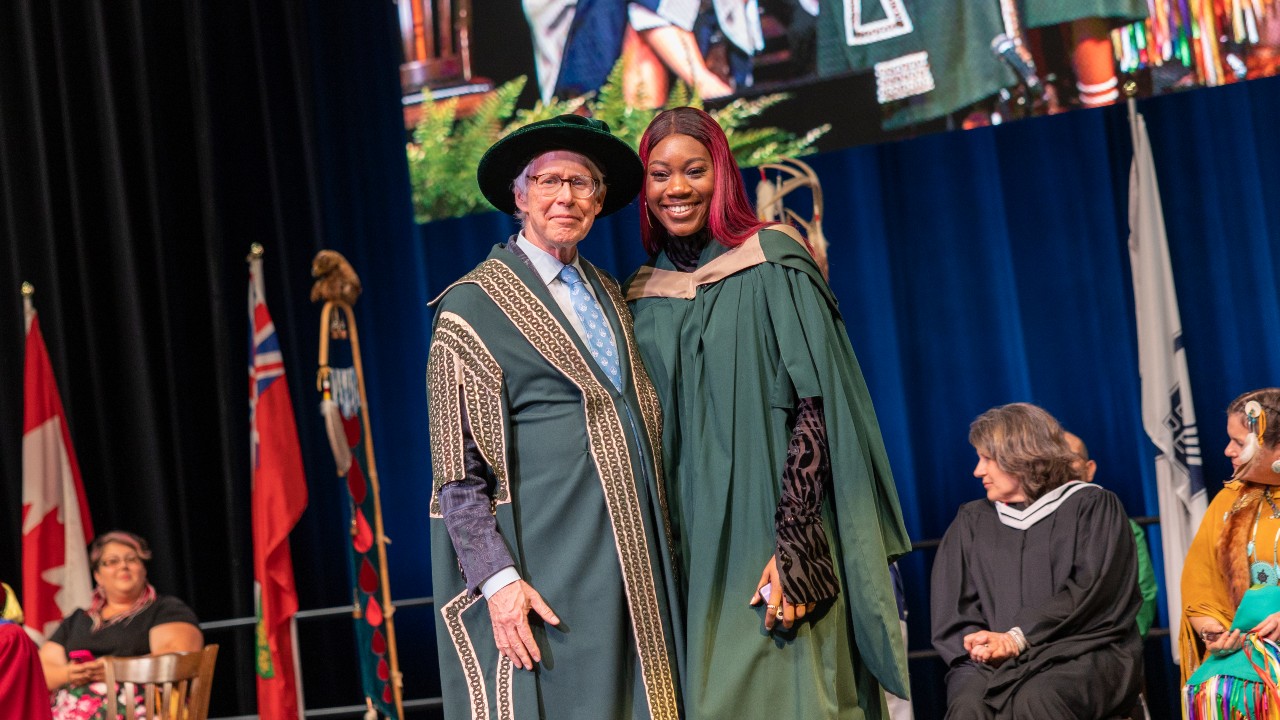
521 182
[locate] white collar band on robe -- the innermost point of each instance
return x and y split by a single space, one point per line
1040 509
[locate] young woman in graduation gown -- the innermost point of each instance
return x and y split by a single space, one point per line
782 503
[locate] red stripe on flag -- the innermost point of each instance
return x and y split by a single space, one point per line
261 318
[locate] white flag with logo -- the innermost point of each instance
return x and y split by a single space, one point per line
1167 413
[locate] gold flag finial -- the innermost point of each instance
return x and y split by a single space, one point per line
255 252
28 289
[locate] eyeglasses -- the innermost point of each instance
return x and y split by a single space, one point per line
114 560
580 186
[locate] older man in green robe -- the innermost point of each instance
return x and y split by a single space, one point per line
550 558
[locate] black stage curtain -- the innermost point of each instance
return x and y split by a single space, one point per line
145 146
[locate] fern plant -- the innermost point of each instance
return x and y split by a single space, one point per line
445 151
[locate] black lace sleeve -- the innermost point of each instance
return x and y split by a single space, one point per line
803 553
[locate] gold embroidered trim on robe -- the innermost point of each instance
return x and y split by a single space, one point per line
460 368
451 613
608 448
650 408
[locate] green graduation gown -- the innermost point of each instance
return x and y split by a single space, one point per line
731 348
577 496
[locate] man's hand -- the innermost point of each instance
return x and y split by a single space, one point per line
990 648
777 606
509 612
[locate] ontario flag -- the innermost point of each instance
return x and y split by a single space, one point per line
279 497
56 528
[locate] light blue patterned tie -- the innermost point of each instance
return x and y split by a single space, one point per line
594 324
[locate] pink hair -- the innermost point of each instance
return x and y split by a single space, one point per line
99 600
121 537
731 219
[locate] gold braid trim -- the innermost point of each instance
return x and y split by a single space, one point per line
506 705
608 447
452 615
461 369
650 408
444 410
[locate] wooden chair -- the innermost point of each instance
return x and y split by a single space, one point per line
176 685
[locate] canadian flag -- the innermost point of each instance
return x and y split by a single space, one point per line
55 516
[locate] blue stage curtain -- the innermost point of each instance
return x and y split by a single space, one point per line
973 269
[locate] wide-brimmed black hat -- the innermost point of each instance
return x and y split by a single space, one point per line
586 136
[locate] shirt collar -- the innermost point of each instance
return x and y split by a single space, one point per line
544 263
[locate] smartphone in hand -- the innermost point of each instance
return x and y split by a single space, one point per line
80 656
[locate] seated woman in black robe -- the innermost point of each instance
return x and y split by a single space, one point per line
1034 590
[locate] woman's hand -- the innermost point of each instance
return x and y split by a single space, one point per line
86 672
990 648
1269 628
777 606
1226 643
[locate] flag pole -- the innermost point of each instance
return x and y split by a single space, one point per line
28 290
379 532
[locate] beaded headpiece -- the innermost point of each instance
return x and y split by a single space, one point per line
1254 467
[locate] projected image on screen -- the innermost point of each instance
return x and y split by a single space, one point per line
873 70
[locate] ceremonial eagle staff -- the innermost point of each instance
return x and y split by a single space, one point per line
345 407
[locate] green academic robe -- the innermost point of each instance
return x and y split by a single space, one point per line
731 348
577 493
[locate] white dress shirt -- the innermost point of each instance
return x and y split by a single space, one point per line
548 267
